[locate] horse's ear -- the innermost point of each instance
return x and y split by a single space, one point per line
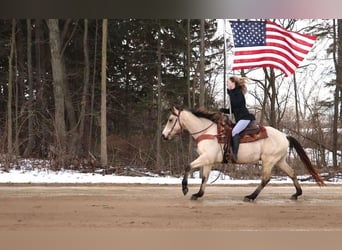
174 110
178 107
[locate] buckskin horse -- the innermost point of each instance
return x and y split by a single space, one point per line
272 151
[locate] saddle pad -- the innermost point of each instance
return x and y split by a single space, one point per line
262 134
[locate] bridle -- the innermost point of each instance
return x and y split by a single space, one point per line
180 125
177 120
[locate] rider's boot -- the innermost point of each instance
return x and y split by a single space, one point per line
235 146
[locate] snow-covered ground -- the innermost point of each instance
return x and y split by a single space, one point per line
34 172
45 176
36 176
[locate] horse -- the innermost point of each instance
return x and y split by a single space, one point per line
272 151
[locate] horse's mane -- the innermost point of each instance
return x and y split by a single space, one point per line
212 116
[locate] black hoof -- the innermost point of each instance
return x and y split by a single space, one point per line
248 199
185 190
194 197
294 197
197 195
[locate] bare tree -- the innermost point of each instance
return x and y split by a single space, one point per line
202 51
188 72
338 66
296 103
159 82
92 98
84 102
10 90
30 143
58 77
104 158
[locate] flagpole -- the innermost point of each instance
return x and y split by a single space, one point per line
224 64
226 102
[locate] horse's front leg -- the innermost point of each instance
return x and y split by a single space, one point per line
185 188
205 177
202 161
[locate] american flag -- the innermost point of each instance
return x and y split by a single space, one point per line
267 44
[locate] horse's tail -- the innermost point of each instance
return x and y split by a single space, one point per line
305 159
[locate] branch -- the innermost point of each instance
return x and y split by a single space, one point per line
315 142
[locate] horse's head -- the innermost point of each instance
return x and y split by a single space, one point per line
173 126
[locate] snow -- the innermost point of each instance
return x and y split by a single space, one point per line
27 171
38 176
69 177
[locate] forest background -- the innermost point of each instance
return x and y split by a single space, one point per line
93 94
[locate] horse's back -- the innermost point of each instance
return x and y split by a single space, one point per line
276 141
273 147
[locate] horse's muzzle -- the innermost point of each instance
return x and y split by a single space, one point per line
165 137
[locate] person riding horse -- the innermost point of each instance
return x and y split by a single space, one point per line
271 150
236 90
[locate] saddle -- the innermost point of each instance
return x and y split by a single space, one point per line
252 133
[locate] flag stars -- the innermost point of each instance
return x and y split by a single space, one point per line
249 34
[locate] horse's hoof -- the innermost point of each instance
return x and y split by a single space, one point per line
185 190
194 197
248 199
294 197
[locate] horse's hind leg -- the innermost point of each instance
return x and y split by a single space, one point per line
265 178
261 186
185 188
290 172
200 193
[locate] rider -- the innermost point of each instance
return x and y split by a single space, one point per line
236 91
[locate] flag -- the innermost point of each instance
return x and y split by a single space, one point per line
267 44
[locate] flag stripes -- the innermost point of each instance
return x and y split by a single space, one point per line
267 44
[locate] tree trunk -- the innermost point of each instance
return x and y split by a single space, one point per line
273 118
40 85
58 77
10 90
92 98
296 103
84 103
104 159
188 72
42 130
202 84
225 67
338 67
158 153
188 59
18 85
30 142
70 111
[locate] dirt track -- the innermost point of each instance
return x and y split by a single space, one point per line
164 208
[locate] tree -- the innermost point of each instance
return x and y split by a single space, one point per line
30 144
202 54
272 104
159 101
337 99
10 92
83 142
55 65
104 158
58 78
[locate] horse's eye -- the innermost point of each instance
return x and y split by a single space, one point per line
170 120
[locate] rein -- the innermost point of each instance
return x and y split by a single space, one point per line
202 137
195 133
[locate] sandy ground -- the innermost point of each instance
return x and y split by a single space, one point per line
36 214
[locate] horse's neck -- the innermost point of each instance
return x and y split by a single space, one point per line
194 124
